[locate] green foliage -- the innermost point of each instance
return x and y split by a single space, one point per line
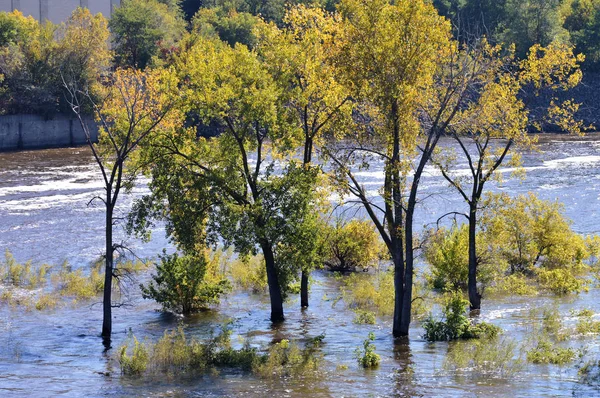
488 356
186 284
249 273
141 28
455 324
288 360
447 251
546 352
231 27
364 317
35 56
516 284
370 292
133 364
175 354
352 245
22 275
367 358
589 373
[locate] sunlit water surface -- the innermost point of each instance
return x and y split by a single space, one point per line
45 216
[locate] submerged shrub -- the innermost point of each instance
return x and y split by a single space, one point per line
456 325
367 358
589 373
364 317
287 359
185 284
585 323
352 246
249 273
560 281
485 356
78 285
175 354
136 363
516 284
370 292
547 353
22 275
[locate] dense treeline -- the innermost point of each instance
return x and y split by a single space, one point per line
146 32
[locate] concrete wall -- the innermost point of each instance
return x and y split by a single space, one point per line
32 131
58 11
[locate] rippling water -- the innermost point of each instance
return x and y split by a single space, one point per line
44 216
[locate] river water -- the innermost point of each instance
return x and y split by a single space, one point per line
45 217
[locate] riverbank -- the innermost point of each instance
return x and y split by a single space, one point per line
24 132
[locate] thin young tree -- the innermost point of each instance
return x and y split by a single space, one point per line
132 105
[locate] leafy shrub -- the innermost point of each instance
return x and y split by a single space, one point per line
353 245
287 359
186 284
560 281
547 353
367 358
515 284
456 325
136 363
249 273
370 292
364 317
46 301
589 373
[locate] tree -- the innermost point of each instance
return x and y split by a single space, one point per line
186 284
250 205
141 28
36 55
411 80
134 105
299 56
498 120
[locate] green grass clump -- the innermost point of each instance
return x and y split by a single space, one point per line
366 357
585 323
287 359
78 285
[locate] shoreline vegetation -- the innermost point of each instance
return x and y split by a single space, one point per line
245 118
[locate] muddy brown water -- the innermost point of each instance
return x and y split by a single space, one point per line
44 216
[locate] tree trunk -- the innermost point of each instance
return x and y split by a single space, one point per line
308 145
408 273
273 282
474 296
304 289
398 259
108 274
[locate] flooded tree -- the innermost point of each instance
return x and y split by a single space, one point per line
133 105
299 56
498 121
410 80
248 190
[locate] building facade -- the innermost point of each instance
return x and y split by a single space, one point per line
57 11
